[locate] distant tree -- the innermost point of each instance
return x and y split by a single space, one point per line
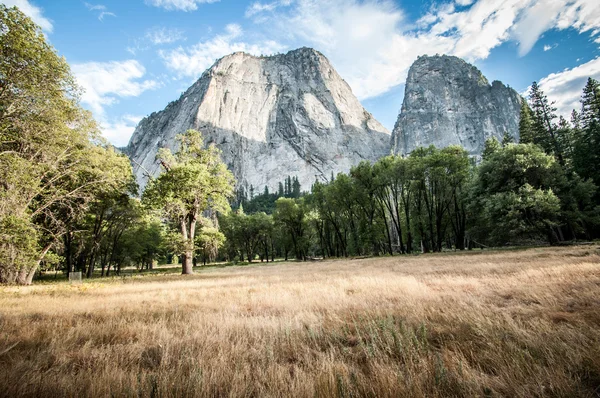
492 145
208 242
193 181
296 188
290 215
507 138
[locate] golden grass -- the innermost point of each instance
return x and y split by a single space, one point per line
516 324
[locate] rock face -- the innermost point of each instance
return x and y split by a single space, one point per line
271 117
449 102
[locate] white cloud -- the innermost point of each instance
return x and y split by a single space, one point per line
33 12
182 5
565 87
372 45
103 11
258 7
192 61
104 83
119 131
160 36
549 47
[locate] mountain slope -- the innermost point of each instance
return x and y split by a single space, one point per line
276 116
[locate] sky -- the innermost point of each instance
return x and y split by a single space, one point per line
133 57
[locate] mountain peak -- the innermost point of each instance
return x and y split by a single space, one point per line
448 101
275 116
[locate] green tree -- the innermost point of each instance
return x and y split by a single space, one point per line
492 145
52 160
586 141
526 133
290 214
209 241
544 126
512 196
194 180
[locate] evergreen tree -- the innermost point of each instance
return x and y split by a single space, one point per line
492 145
590 103
281 191
507 138
544 127
296 188
586 145
525 124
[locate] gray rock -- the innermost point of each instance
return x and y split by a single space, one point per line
449 102
271 117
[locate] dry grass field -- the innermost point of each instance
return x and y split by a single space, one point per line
506 323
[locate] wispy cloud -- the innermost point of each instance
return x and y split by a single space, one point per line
157 36
160 36
33 12
101 9
193 60
549 47
259 7
180 5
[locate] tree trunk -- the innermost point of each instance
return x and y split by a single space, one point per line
187 263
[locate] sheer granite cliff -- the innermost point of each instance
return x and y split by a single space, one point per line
449 102
271 117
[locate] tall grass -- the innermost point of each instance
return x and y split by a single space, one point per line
517 324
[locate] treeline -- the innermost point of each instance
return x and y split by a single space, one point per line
265 201
541 191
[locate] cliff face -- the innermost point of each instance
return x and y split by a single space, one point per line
272 117
449 102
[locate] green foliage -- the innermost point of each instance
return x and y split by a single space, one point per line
512 196
290 217
208 242
194 180
52 161
492 145
526 133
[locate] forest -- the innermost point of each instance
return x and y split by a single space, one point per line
69 201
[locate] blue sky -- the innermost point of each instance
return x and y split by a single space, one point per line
132 57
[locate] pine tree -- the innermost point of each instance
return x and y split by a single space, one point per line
507 138
544 128
266 191
525 124
590 103
492 145
281 191
564 136
296 188
587 139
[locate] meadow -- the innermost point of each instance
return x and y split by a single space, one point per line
502 323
